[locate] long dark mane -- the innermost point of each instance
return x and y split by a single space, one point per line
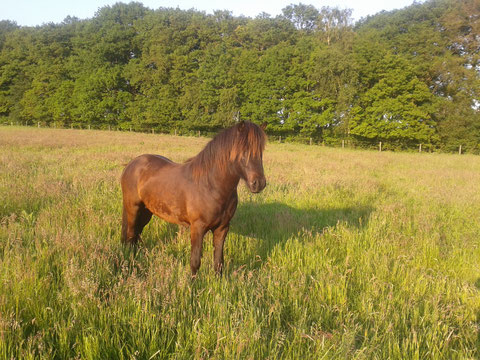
226 147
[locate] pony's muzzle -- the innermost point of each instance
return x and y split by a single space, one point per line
257 185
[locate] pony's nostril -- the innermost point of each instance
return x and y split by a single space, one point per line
254 182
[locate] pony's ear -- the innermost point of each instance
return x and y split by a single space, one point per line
264 125
241 126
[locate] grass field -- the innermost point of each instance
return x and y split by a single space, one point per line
346 254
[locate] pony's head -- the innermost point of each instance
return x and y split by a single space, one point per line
247 152
237 150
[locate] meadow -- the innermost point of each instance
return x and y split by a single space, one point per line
346 254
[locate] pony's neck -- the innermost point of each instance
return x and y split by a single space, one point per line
224 179
215 170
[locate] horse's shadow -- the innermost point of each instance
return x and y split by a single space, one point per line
257 229
272 224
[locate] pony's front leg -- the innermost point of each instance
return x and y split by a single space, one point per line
219 235
196 238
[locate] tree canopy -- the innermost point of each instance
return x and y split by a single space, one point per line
404 77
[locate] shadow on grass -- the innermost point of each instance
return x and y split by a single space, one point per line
272 224
269 225
477 285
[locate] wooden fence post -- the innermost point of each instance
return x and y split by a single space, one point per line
343 144
39 124
380 146
420 148
460 150
310 141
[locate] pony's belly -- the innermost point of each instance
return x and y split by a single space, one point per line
172 219
168 214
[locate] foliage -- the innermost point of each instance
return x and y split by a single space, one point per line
398 108
408 76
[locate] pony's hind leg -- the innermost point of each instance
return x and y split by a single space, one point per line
135 217
124 225
143 217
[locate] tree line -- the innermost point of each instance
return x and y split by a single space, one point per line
405 77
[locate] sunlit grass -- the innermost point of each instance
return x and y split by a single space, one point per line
346 254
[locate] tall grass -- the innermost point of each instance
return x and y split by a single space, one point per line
346 254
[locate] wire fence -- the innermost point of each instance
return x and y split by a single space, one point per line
329 142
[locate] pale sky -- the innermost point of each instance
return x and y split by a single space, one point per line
37 12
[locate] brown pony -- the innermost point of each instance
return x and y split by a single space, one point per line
200 193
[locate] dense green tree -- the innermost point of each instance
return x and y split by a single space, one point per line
6 27
399 108
15 66
403 77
